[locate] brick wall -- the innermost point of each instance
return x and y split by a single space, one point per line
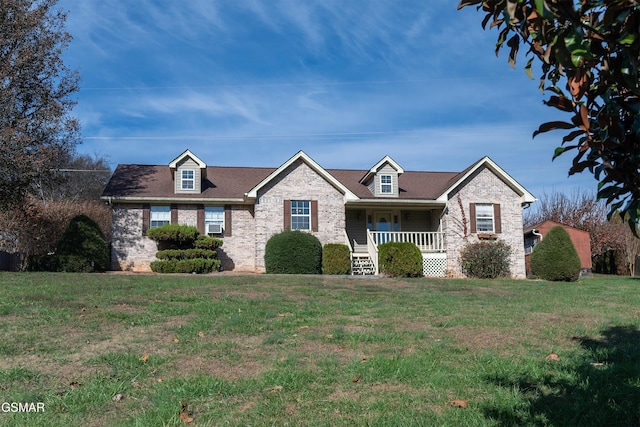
483 186
297 182
130 250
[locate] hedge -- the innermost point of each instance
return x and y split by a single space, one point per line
400 259
174 235
486 259
197 265
293 252
186 254
336 259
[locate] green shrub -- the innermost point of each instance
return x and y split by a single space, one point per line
336 259
82 249
555 258
293 252
207 242
174 236
400 259
197 265
186 254
486 259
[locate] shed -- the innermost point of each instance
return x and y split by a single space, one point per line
580 239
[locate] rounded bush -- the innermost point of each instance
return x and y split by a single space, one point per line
555 258
293 252
486 259
336 259
400 259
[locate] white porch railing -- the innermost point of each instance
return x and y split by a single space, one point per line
372 248
427 241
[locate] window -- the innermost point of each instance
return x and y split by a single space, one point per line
213 219
188 179
300 215
160 215
484 218
386 186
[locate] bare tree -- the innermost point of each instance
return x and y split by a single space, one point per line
582 210
36 129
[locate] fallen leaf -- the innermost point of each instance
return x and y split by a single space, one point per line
458 403
118 397
74 383
184 413
356 379
329 336
277 388
596 364
83 309
553 356
159 380
144 357
176 340
201 334
282 314
282 359
364 360
303 327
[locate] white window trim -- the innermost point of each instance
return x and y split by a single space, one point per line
219 210
184 180
384 185
482 217
296 216
159 214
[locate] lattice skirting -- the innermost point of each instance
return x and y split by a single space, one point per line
434 265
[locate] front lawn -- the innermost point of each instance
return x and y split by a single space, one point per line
175 350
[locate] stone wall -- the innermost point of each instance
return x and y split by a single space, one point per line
483 186
298 182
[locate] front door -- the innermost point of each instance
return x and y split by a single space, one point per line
383 221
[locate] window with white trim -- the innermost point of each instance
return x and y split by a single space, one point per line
300 215
386 184
214 219
159 216
188 179
484 218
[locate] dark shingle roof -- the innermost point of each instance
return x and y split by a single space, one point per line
153 181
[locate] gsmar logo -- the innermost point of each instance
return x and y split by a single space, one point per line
22 407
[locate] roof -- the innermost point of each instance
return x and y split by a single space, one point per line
549 223
238 184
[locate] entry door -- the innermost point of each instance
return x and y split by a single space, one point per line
383 222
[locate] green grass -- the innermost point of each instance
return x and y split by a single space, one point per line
316 351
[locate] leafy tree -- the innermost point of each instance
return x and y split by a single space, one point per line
588 51
36 129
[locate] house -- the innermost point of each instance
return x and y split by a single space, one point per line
581 241
245 206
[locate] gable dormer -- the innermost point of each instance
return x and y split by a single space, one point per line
382 178
188 173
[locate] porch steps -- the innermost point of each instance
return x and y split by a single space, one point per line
362 266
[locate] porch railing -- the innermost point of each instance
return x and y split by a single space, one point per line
372 248
427 241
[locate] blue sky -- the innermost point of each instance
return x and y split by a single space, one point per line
251 82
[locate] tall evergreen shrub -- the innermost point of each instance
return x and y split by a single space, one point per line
555 258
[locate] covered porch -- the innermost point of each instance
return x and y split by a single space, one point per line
368 227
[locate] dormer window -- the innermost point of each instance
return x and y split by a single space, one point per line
386 184
188 179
